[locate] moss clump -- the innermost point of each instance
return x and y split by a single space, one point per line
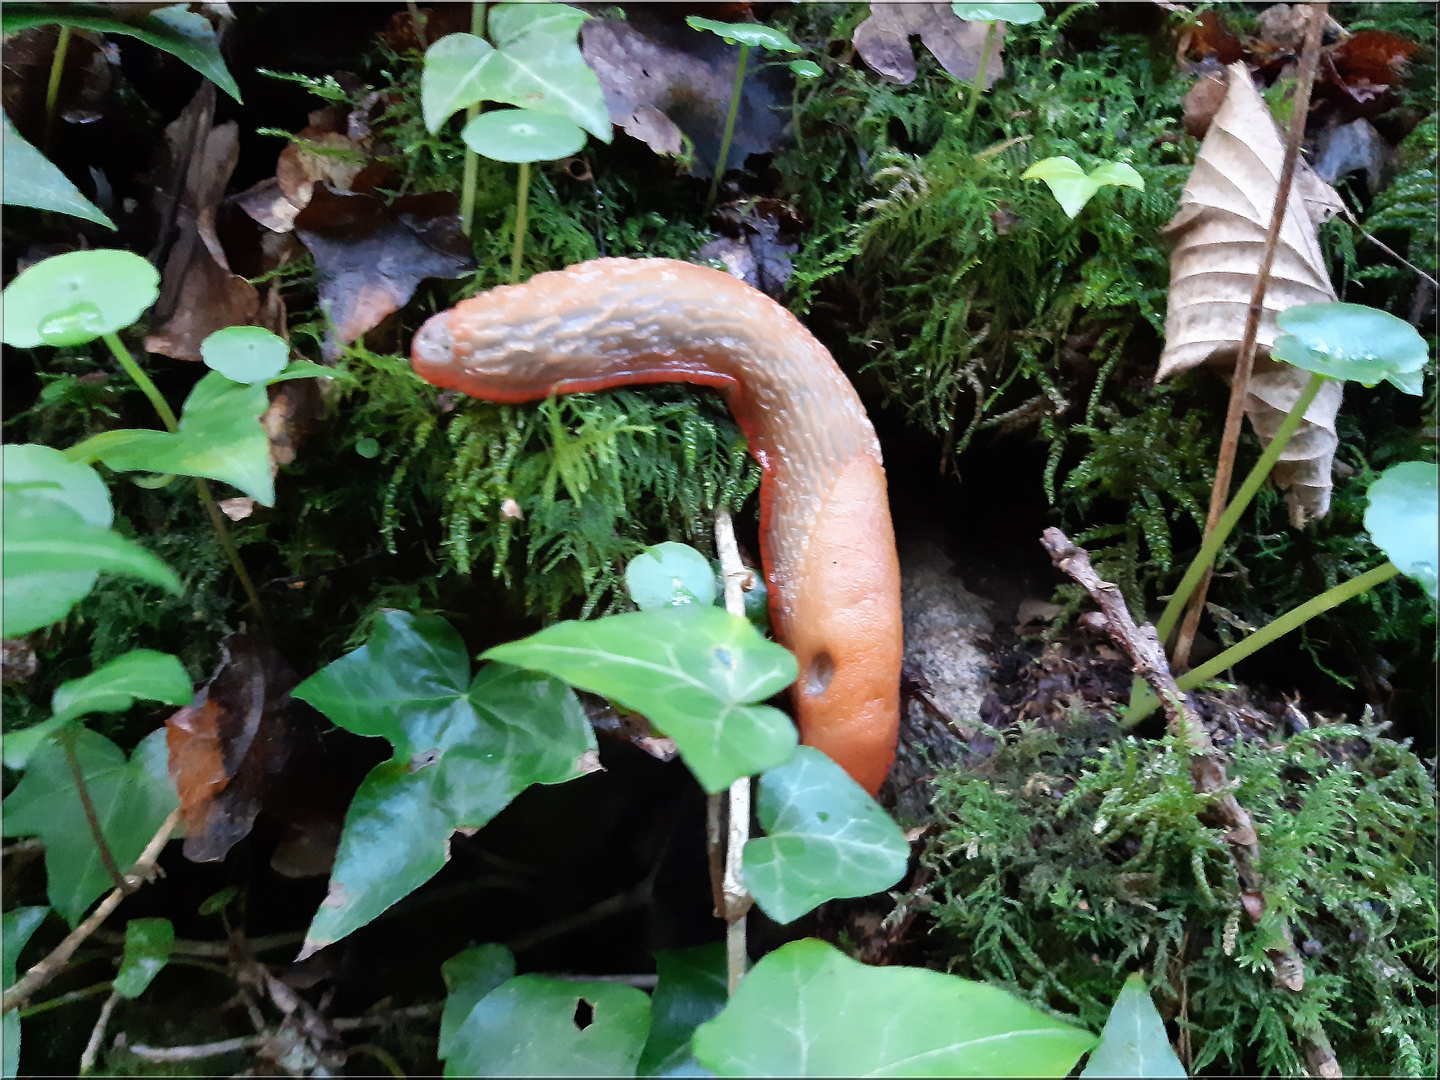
1075 856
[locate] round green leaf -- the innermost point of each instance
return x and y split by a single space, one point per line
670 575
148 945
806 69
752 34
367 447
245 354
1401 518
74 298
1351 341
522 136
535 1026
825 838
218 902
1019 14
45 471
1134 1042
807 1009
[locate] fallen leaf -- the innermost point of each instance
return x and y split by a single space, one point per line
224 744
238 508
1364 69
1209 36
1219 236
883 42
765 235
370 257
1203 101
662 79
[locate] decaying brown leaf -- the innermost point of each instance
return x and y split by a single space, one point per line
370 257
1219 237
226 742
883 41
662 79
764 233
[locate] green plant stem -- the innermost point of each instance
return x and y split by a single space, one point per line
67 999
472 159
52 89
522 202
1142 702
217 518
1291 620
66 737
729 126
1211 547
978 86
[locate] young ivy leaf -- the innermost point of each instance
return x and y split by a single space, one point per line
807 1009
74 298
1134 1041
535 1026
469 976
245 354
148 945
1073 188
825 839
1403 506
692 988
31 180
220 437
751 34
139 675
521 136
463 750
670 575
451 79
132 799
695 672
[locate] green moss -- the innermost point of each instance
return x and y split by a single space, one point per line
1079 856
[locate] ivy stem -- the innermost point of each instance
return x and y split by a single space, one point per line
52 89
978 86
1210 547
729 126
472 159
207 499
522 201
66 738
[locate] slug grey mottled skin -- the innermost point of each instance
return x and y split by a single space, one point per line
826 540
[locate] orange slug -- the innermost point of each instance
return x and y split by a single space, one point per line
826 541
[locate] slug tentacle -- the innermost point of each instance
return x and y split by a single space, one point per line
825 535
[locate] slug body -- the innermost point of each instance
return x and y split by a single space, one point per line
826 540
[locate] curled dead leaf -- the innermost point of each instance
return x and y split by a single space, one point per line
1219 238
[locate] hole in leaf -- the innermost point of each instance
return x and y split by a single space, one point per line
723 655
822 670
584 1014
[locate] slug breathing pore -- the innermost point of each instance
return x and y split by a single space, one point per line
826 540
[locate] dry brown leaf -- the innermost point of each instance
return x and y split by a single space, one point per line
1219 238
883 41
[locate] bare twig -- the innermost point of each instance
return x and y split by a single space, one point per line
66 737
737 900
19 994
97 1035
1245 362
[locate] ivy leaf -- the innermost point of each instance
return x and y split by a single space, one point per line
451 79
535 1026
1400 516
695 672
220 437
807 1009
140 674
670 575
15 930
31 180
522 136
469 976
178 31
1073 188
132 799
825 838
693 987
751 34
1134 1041
463 750
148 945
74 298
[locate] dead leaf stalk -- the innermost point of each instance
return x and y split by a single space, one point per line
1245 362
40 974
97 1035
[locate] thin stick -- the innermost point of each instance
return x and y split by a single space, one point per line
1387 249
1245 362
472 159
66 738
19 994
522 201
729 126
97 1035
52 89
737 900
212 508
